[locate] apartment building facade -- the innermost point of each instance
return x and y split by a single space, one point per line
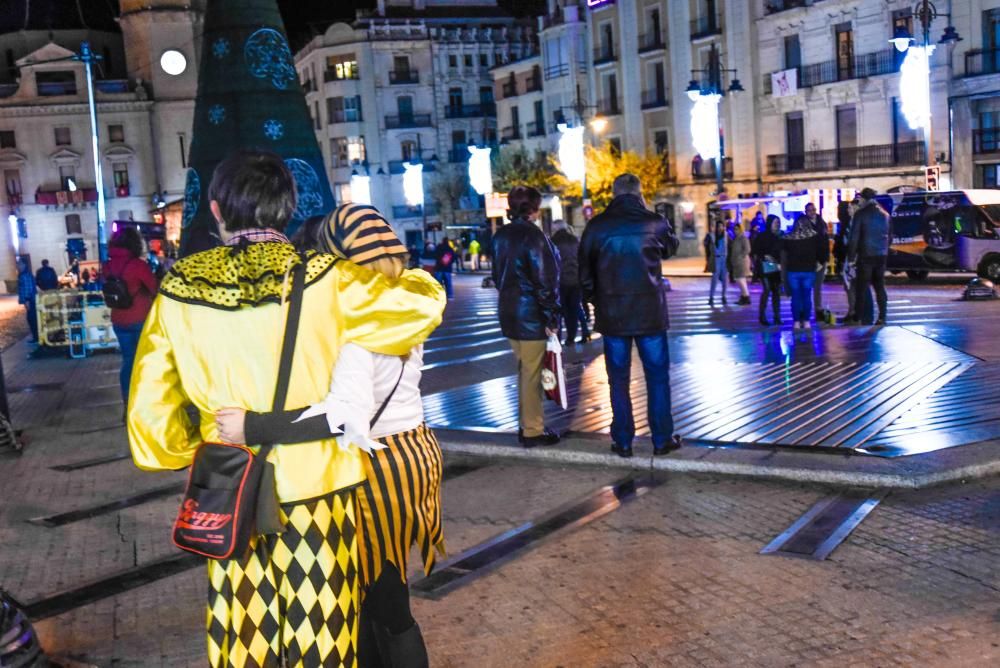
407 83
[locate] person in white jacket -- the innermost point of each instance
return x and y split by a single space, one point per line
374 404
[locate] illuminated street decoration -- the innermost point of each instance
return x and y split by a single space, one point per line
15 238
571 160
361 189
594 4
413 183
705 125
914 85
480 170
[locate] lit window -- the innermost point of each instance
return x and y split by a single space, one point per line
356 149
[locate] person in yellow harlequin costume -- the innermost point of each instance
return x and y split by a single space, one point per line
213 338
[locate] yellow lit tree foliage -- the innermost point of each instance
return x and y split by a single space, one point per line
604 163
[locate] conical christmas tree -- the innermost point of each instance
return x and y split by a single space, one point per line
249 97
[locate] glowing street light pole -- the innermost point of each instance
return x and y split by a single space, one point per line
915 72
87 57
707 104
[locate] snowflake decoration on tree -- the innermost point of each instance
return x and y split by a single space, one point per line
192 196
220 48
216 114
307 185
274 129
268 57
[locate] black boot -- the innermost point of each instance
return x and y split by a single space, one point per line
761 318
776 309
405 650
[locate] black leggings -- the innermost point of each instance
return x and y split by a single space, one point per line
386 604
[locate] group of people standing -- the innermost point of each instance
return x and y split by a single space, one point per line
616 267
796 261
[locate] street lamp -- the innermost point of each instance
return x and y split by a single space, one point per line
915 72
706 124
361 184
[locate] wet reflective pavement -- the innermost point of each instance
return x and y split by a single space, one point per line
903 389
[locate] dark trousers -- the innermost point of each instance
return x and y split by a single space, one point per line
871 273
655 355
572 311
32 314
128 342
771 287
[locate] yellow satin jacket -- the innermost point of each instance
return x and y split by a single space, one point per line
213 340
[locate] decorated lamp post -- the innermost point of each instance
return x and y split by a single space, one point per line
915 72
706 122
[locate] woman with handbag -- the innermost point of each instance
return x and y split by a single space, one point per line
400 502
766 251
219 334
739 260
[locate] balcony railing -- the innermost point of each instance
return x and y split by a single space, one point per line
861 66
57 88
605 54
985 140
706 26
64 197
398 166
112 85
609 106
556 71
470 110
308 86
331 75
404 77
982 61
408 121
510 133
414 211
775 6
651 41
509 89
533 84
346 116
705 169
536 128
122 191
858 157
653 99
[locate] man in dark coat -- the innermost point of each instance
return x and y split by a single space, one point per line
569 282
868 249
46 277
622 276
526 273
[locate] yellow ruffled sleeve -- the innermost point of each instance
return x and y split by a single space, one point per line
387 316
160 432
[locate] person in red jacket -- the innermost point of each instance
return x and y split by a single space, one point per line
127 264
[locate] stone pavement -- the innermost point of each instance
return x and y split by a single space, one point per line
672 578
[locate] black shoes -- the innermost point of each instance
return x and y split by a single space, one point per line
406 650
743 301
674 444
547 437
764 321
624 451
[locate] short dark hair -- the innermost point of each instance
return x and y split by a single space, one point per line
253 189
868 193
306 238
45 263
522 201
128 237
626 184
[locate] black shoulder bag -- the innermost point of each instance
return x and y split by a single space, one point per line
218 514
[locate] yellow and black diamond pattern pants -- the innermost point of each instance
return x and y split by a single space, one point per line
294 599
400 503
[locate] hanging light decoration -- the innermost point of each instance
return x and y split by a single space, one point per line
571 159
914 84
413 183
705 125
361 189
480 170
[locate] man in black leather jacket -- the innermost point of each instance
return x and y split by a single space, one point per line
526 273
868 249
621 275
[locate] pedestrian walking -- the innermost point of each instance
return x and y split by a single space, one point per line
526 273
718 248
134 280
393 514
801 250
767 254
868 249
845 211
569 283
474 250
26 294
459 247
818 224
621 275
444 261
214 339
739 260
46 277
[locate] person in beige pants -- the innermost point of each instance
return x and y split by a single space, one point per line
526 273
